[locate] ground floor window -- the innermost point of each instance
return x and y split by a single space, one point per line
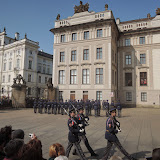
60 95
85 95
99 95
144 96
29 91
128 96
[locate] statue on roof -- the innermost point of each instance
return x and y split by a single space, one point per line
106 7
58 17
81 7
158 11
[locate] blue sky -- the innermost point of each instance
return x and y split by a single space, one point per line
36 17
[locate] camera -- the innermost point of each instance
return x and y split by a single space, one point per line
31 135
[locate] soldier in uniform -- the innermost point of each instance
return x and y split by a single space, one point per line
106 104
89 108
62 105
35 106
66 105
58 107
49 106
45 106
73 135
119 108
82 135
99 108
110 135
41 106
55 107
86 108
95 108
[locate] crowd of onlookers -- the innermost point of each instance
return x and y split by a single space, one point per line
12 147
5 102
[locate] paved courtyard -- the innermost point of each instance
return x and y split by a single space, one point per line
140 130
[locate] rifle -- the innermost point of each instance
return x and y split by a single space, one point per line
86 122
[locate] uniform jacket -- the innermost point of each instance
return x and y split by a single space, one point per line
110 134
81 119
73 130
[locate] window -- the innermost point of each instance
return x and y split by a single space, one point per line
128 96
99 33
85 79
30 64
143 78
29 91
141 40
63 38
39 79
10 65
18 63
74 36
86 54
73 76
86 35
73 55
99 53
128 79
128 59
142 58
4 67
3 80
60 95
44 69
99 95
45 79
99 75
61 76
62 57
48 70
29 77
112 76
127 42
39 69
9 78
143 96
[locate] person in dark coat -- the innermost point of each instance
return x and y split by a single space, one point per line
82 135
119 108
73 125
95 108
111 137
35 104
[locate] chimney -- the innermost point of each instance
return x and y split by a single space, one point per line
17 36
117 21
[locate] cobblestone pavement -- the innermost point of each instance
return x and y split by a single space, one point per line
139 136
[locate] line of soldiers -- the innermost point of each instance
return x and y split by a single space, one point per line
54 107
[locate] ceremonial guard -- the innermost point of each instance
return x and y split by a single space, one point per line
49 106
95 108
62 105
55 108
106 104
119 108
82 135
58 108
74 129
66 105
35 105
110 135
86 104
99 108
89 108
45 106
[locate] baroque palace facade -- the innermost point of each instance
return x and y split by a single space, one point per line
98 57
21 56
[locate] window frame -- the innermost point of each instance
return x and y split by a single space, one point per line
99 53
73 55
99 75
127 78
99 33
143 96
86 54
143 78
73 76
85 76
62 56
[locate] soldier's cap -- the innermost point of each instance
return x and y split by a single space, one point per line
71 110
112 109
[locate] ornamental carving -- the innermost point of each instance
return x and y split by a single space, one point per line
158 11
81 7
